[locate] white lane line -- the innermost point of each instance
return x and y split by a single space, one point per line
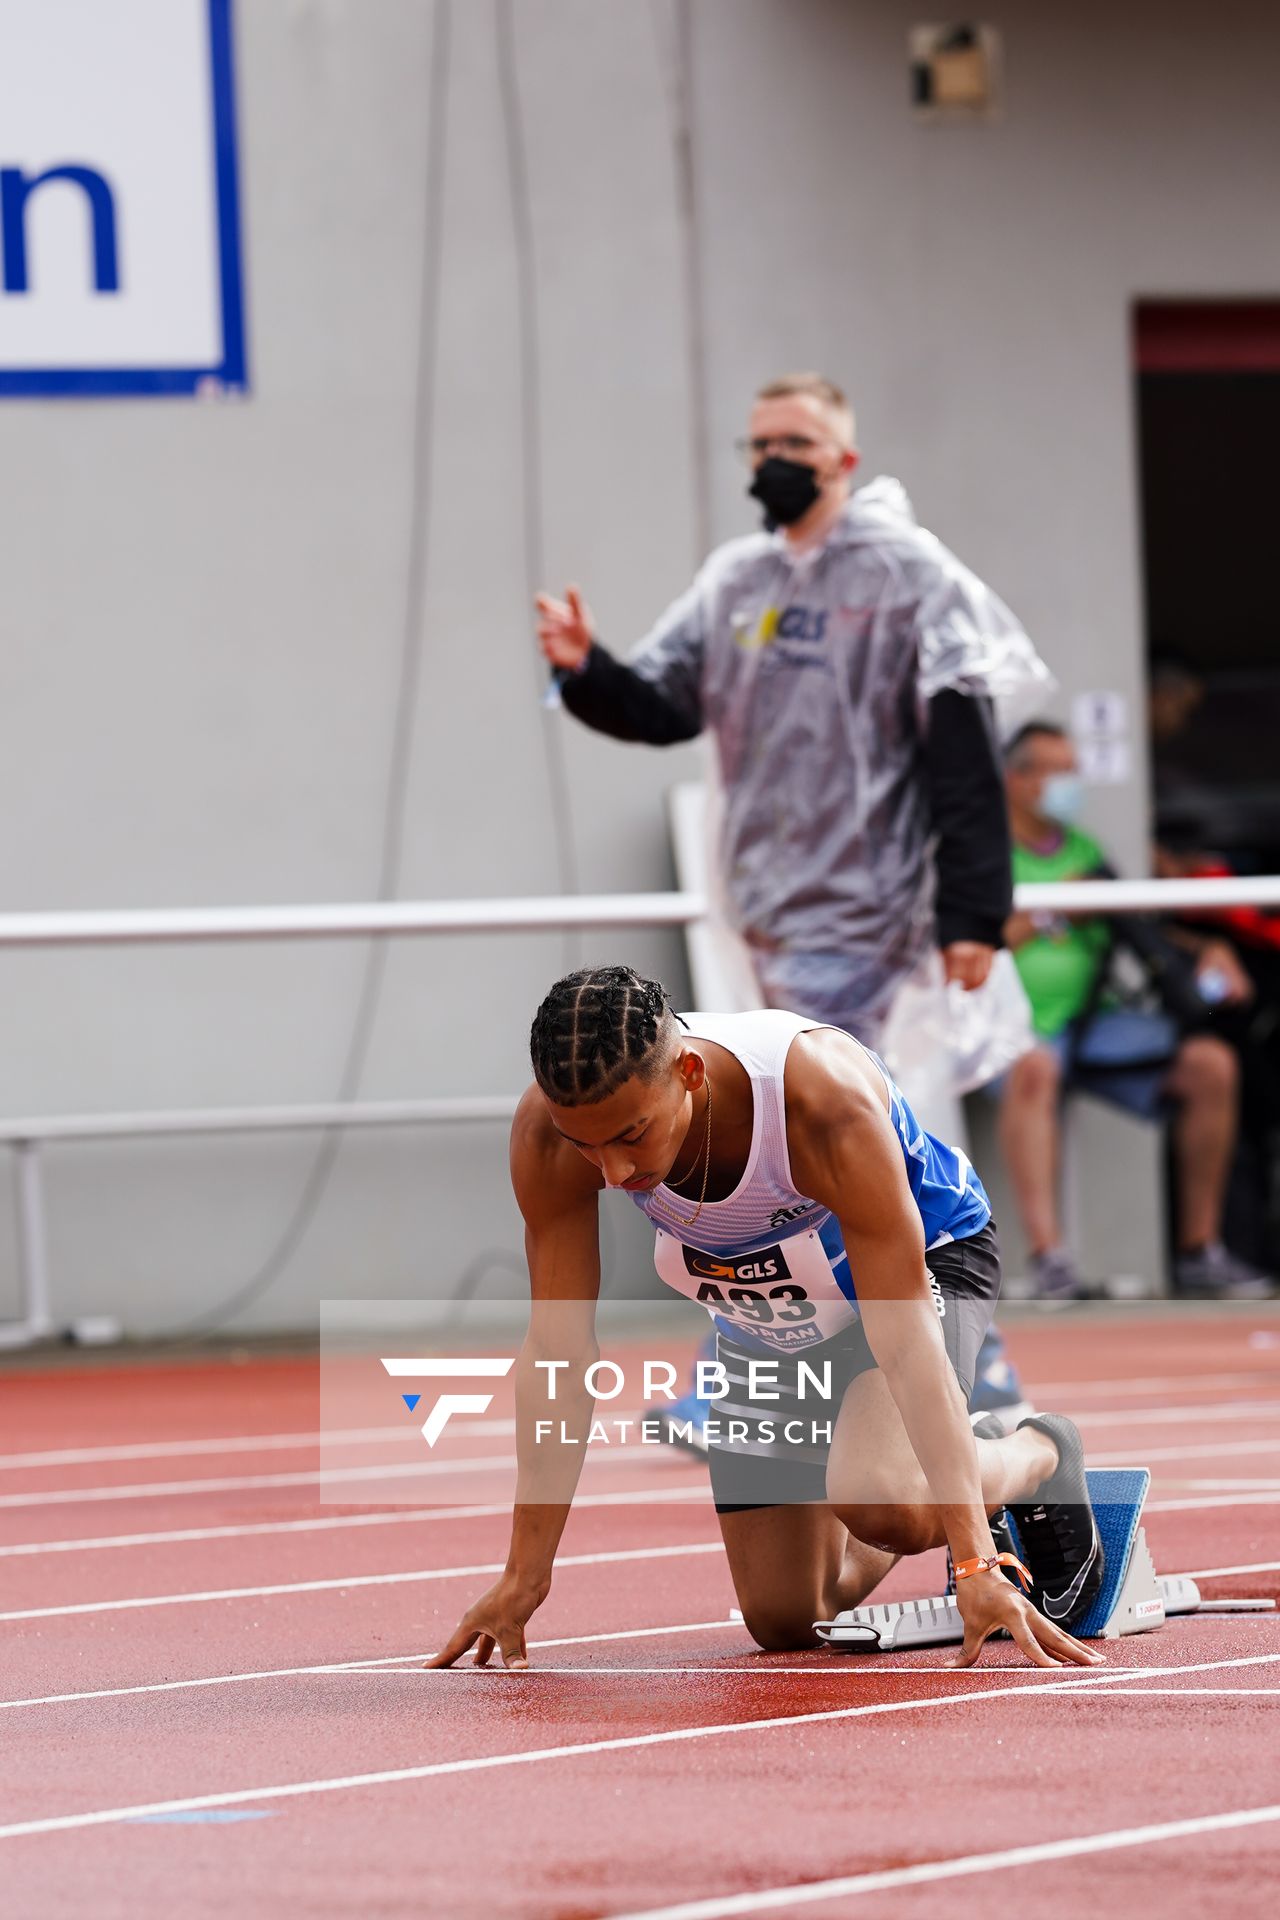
1219 1485
810 1892
351 1580
313 1477
1178 1693
212 1446
252 1482
497 1509
1057 1392
1214 1573
1260 1410
391 1662
109 1816
1210 1503
322 1476
1213 1449
501 1509
226 1443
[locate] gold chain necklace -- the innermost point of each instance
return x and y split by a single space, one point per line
661 1204
684 1179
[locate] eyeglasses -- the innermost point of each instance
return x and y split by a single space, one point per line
793 446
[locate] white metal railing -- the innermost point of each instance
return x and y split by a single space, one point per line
537 914
544 914
25 1136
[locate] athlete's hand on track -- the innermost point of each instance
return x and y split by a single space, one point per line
968 961
498 1619
566 629
987 1601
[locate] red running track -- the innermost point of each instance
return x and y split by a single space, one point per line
212 1700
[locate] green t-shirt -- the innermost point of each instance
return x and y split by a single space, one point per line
1058 968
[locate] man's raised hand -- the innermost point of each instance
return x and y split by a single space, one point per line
566 629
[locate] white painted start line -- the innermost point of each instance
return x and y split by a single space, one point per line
112 1816
809 1893
720 1671
401 1663
391 1662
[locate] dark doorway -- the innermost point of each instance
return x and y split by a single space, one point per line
1208 393
1208 381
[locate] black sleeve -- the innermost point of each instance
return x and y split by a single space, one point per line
615 699
970 820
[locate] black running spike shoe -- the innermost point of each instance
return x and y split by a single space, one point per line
1061 1545
990 1428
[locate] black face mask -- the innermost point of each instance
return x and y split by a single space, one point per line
786 490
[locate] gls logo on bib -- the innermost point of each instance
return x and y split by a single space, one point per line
766 1263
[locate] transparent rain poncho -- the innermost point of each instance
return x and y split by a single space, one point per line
814 675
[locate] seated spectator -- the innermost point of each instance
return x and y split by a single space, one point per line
1136 1057
1253 1029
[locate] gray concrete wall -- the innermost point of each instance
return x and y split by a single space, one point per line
208 606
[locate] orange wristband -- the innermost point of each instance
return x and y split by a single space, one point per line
990 1563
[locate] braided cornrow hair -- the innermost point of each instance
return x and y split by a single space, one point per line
596 1028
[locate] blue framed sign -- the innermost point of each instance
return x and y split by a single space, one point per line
120 256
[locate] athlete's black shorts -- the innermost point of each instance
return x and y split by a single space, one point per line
753 1471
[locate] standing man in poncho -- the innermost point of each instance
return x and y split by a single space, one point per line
845 663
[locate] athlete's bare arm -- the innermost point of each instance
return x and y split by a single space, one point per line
558 1194
845 1153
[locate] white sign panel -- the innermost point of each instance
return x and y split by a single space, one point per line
1100 713
119 228
1104 762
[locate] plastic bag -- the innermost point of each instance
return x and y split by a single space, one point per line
941 1039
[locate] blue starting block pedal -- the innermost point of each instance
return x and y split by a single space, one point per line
1133 1598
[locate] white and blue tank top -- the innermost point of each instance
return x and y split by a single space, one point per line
768 1264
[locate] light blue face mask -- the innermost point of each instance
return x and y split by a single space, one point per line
1062 797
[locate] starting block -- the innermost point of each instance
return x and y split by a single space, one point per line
1133 1598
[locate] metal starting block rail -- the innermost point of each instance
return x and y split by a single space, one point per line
1133 1597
